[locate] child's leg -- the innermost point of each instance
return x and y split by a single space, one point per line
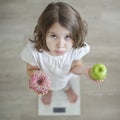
72 96
46 99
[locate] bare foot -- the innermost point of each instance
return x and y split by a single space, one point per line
46 99
72 96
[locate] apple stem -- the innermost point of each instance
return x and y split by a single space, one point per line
100 70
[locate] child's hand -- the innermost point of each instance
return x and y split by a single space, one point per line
40 83
97 81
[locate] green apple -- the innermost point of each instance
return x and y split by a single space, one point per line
98 72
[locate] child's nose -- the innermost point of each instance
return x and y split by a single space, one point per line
60 43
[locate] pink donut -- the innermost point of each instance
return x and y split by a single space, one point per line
39 82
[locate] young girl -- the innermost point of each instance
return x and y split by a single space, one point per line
57 48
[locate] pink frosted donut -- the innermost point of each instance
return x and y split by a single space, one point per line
39 82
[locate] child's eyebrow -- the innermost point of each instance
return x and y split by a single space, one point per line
52 33
68 34
56 33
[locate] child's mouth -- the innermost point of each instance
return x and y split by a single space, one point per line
59 52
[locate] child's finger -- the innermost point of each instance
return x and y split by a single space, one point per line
99 81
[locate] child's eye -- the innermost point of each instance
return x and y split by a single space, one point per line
68 37
53 36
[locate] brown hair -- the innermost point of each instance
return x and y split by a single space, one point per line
67 16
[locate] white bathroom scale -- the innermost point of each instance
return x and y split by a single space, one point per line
60 104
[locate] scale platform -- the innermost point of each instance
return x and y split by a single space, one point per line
60 104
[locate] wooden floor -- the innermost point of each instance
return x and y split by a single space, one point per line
98 101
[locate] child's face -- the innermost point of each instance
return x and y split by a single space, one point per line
58 40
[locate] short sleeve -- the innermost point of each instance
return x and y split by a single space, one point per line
28 56
80 52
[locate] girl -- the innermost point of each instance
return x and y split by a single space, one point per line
57 48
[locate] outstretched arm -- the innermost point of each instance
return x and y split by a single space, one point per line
78 68
30 69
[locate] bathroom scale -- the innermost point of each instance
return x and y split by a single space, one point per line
60 104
